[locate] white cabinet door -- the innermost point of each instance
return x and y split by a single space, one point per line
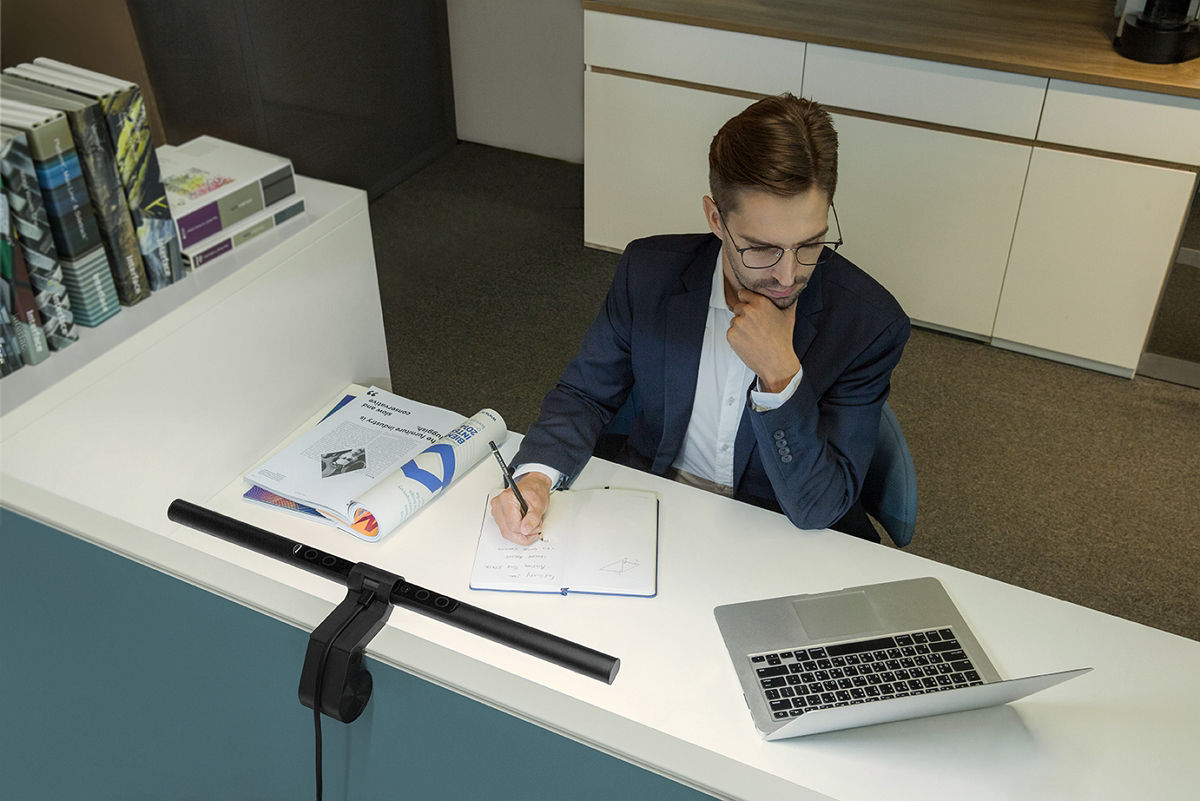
929 91
1091 251
930 215
645 163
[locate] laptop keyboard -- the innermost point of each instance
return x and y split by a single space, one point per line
875 669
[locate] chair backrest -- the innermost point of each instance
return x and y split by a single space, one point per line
889 492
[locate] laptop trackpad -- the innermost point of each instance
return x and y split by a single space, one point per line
843 615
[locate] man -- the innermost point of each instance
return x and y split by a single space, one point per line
756 358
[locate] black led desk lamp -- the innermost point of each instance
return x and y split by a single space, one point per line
334 681
391 589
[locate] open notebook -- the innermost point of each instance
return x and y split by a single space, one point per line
601 541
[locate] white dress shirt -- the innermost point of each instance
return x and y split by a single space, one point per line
721 384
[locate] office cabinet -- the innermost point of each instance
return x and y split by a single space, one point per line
926 91
930 215
1140 124
1038 213
645 157
692 53
1092 246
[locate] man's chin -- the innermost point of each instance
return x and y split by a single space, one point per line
784 301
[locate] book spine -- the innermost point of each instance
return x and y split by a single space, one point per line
10 345
137 166
209 253
31 231
59 173
19 302
278 185
211 250
224 211
227 205
90 288
289 211
112 208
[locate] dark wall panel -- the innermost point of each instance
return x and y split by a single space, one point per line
354 92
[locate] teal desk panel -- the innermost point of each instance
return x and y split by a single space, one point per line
120 682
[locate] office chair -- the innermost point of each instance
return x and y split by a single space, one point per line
889 492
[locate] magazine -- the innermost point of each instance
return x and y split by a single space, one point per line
371 464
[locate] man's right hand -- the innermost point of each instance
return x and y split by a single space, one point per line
535 489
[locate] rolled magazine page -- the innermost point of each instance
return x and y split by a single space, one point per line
389 503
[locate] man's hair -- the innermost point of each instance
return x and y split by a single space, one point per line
783 144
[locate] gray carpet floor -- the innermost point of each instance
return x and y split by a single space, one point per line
1064 481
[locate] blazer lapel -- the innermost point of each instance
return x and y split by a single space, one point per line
685 316
808 305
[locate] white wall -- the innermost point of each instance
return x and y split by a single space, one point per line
518 74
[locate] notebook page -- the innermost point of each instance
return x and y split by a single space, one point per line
504 565
613 543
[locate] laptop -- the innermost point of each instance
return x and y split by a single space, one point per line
861 656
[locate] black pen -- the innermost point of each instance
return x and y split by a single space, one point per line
508 478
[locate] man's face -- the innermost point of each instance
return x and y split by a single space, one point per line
762 219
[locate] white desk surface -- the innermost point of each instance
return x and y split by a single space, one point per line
1101 736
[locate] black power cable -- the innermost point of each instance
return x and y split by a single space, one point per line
364 601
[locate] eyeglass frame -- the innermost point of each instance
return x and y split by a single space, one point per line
832 246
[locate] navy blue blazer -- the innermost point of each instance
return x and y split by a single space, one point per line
808 457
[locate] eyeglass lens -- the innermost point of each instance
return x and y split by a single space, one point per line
761 258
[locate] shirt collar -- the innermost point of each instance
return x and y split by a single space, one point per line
716 298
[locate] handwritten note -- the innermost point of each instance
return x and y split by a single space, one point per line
595 541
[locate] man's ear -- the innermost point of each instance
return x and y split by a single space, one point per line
713 216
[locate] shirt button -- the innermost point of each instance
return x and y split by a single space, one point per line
729 401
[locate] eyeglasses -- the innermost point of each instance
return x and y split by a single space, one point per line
764 257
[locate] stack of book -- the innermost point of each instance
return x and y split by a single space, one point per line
222 195
119 104
86 223
34 293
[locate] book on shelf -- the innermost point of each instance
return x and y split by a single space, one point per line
213 184
594 541
20 310
10 344
134 156
90 287
85 269
30 230
92 141
59 173
378 460
238 234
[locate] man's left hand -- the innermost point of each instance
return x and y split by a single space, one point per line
761 335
